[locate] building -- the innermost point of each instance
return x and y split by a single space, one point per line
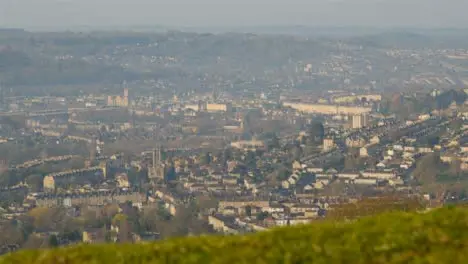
194 107
157 171
97 198
122 180
359 121
96 235
355 142
118 100
374 140
364 181
241 204
380 175
435 92
202 106
363 152
327 109
248 144
347 176
328 144
215 107
67 178
353 98
222 224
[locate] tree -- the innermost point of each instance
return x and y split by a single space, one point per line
125 232
53 241
11 234
283 174
262 216
47 219
251 159
444 100
34 242
296 152
432 140
455 167
90 219
456 125
24 223
205 158
171 174
227 155
35 182
103 129
352 160
316 132
274 142
248 210
124 229
163 214
206 203
427 169
259 152
186 222
71 236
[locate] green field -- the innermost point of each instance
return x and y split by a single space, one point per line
440 236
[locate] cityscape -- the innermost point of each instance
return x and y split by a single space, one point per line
124 137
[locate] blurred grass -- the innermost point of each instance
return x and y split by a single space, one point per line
439 236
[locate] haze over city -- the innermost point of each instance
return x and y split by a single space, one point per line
134 122
66 14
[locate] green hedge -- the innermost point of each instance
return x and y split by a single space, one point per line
440 236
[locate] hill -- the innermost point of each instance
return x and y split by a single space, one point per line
436 237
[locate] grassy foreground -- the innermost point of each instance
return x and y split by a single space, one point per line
440 236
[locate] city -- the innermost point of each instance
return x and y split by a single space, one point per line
127 137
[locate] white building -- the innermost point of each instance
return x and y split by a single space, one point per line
378 175
363 152
359 121
349 176
328 144
248 144
361 181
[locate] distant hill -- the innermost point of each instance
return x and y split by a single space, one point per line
439 236
12 60
11 30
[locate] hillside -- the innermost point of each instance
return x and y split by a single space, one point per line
436 237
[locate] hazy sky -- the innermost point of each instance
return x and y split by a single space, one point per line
220 13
